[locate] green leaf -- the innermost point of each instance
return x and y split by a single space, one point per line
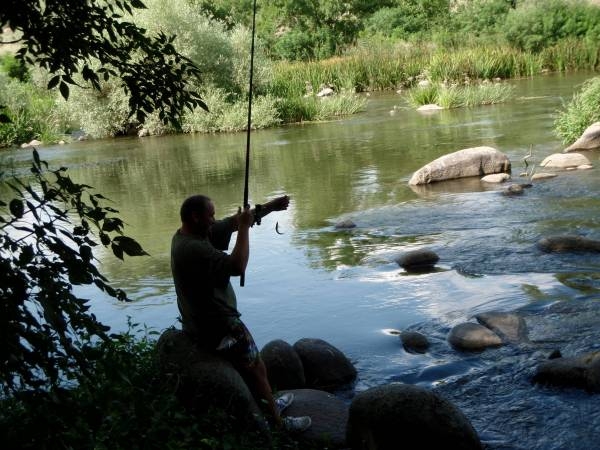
112 224
64 90
53 82
118 251
36 159
105 239
130 246
16 208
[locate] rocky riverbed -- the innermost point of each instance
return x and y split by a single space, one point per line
496 391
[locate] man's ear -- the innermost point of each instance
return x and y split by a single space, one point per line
195 216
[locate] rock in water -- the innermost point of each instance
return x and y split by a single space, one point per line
473 337
589 140
398 416
418 260
470 162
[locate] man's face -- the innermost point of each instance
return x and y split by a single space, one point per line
204 220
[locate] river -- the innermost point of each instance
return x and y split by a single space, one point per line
343 285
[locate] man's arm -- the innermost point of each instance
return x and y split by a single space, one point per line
277 204
241 251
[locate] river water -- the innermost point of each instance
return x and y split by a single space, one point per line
343 285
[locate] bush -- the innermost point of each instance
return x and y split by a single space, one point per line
480 18
542 23
33 113
582 111
124 403
14 68
230 113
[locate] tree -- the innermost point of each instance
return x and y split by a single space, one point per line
66 37
45 329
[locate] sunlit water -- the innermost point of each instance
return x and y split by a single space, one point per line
343 285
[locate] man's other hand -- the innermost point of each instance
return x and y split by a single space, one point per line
279 203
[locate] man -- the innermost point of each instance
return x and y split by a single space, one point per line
205 297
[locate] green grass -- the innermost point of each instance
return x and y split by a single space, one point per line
582 111
456 96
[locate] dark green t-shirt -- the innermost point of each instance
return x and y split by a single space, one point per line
201 271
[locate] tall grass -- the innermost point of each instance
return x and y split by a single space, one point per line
381 65
580 112
456 96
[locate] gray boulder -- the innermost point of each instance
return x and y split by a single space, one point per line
560 244
470 162
565 160
329 417
496 178
392 416
473 337
418 260
581 372
325 367
509 326
206 382
284 367
589 140
414 342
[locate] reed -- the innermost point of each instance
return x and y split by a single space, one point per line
456 96
582 111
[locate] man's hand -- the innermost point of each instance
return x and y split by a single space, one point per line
245 218
278 204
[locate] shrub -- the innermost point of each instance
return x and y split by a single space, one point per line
542 23
580 112
480 17
14 68
33 113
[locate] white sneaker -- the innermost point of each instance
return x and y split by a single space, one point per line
284 401
297 424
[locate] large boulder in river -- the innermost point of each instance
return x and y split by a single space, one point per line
325 367
565 160
589 140
470 162
562 244
473 337
284 367
398 416
329 416
206 383
581 371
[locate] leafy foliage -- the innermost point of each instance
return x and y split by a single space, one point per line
542 23
124 403
31 113
43 254
582 111
66 37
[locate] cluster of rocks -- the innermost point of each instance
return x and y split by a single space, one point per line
494 166
313 370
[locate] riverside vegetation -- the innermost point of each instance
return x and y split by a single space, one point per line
352 46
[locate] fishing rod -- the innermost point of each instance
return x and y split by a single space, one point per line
248 128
